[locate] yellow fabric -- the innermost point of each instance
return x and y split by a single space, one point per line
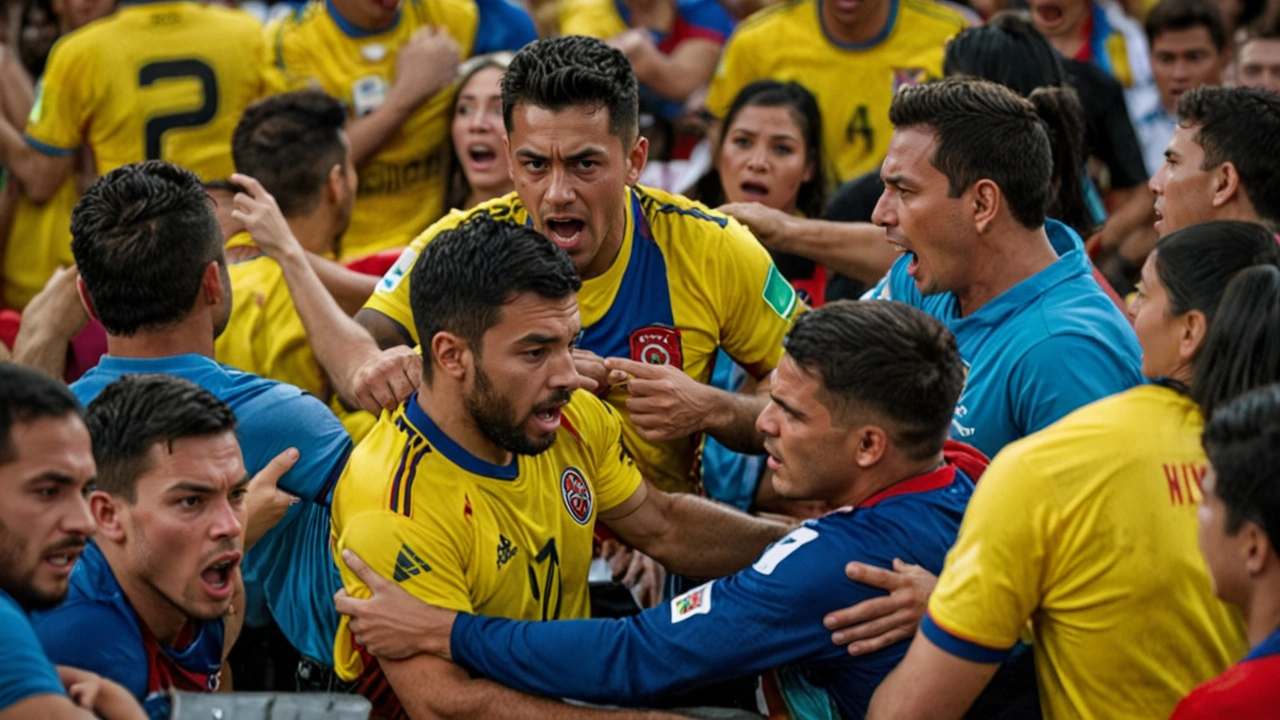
853 86
93 88
410 499
264 335
1089 529
402 187
716 275
39 243
593 18
1118 53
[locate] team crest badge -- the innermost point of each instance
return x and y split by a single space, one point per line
577 495
906 77
695 602
657 345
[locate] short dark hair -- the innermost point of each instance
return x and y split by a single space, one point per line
1196 263
911 375
136 412
985 131
1172 15
1234 125
289 143
465 275
1243 444
142 236
1241 350
1008 50
1262 30
27 396
561 72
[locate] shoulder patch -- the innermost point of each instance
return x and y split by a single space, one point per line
778 294
782 549
396 274
695 602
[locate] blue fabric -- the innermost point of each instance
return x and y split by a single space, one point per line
960 647
728 476
1266 648
503 25
96 629
26 671
1049 345
766 616
290 573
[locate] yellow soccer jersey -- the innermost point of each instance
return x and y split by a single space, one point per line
264 335
512 541
854 84
164 80
39 243
1088 529
593 18
687 281
402 187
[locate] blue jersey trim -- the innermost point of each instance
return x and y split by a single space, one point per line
1266 648
353 31
46 149
960 647
457 454
879 38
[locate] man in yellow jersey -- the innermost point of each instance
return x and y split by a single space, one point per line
480 493
853 55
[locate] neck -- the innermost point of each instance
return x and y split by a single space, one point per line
1004 257
192 336
1262 610
453 419
315 232
887 473
164 619
354 18
865 30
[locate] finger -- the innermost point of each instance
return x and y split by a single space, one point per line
633 368
635 571
252 186
901 566
873 628
366 574
874 576
345 604
654 409
616 376
644 387
862 612
879 643
278 466
368 400
586 383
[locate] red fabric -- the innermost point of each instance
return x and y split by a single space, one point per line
1247 691
1085 53
377 263
10 321
968 458
815 287
1110 291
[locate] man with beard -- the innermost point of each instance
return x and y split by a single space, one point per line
480 493
156 601
46 468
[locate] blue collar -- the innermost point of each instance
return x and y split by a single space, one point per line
456 454
879 38
1266 648
170 364
1072 262
351 30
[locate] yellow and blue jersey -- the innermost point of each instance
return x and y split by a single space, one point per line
402 186
687 281
457 531
854 84
154 81
1089 531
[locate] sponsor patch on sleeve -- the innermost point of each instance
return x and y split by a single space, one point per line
778 293
695 602
782 549
396 274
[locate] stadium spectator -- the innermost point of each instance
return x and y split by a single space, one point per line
1258 58
852 56
516 460
159 589
1213 169
46 467
1238 522
479 172
1053 537
393 65
152 269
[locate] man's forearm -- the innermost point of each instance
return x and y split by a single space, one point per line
40 176
703 538
370 133
733 422
856 250
41 349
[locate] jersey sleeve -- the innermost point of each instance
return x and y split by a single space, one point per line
116 653
422 558
989 588
616 477
27 670
62 108
763 617
754 302
736 70
322 442
1064 373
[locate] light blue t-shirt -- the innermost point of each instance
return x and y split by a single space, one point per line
1050 344
290 572
26 671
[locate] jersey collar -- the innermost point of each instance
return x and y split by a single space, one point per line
351 30
879 38
456 454
935 480
173 364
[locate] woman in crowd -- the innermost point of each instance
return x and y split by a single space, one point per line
479 169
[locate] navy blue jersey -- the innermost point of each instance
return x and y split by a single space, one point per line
290 572
96 629
766 616
26 671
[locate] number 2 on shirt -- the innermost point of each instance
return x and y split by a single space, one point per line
189 68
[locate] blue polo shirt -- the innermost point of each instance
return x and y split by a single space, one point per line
290 572
1046 346
26 671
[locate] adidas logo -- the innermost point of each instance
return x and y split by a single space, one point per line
409 564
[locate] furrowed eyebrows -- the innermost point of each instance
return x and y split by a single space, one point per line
782 404
587 154
539 339
55 477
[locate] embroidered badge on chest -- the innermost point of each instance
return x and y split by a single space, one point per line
657 345
577 495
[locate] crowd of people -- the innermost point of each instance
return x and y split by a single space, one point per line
583 359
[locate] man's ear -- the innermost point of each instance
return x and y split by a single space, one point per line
451 354
85 299
637 158
871 444
108 515
1226 183
335 185
211 283
987 200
